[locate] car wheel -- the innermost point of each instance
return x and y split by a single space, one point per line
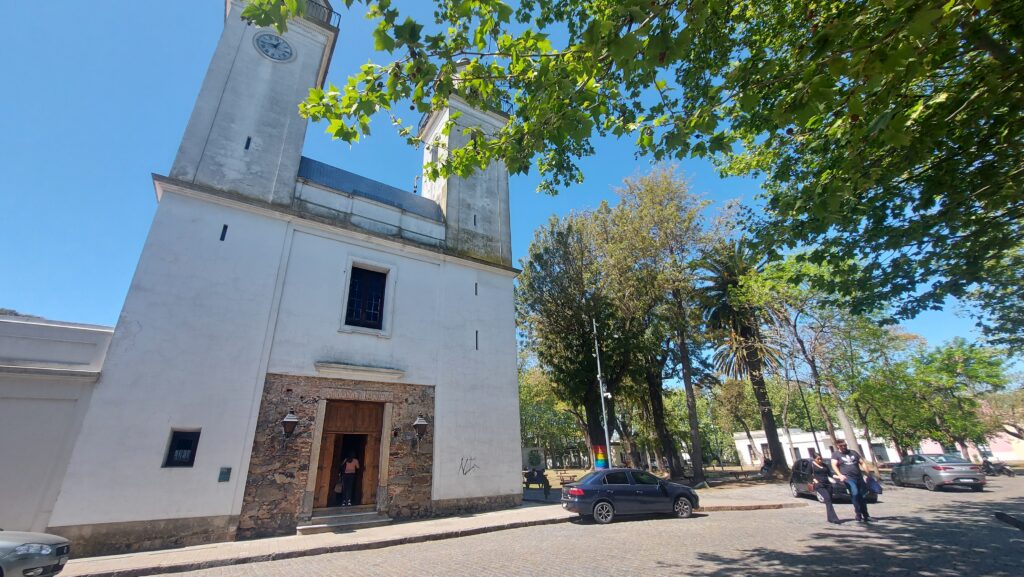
683 508
929 483
896 480
604 512
977 488
794 489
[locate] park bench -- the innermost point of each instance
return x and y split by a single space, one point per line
564 477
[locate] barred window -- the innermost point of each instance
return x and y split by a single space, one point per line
182 450
366 298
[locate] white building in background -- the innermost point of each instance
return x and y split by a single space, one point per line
800 444
273 288
47 373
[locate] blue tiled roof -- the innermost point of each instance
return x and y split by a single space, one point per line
345 181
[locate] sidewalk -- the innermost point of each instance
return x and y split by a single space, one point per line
531 513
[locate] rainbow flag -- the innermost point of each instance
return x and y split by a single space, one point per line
600 457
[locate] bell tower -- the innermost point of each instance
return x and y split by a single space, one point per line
476 207
245 135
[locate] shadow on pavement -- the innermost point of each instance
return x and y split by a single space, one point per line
962 538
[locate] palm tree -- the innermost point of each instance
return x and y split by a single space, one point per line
744 353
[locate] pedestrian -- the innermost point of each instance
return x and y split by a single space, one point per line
349 467
846 463
822 485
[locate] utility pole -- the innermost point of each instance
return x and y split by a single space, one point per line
604 414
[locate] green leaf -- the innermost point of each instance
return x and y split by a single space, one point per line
382 41
408 32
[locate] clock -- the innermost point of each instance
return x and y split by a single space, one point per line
273 46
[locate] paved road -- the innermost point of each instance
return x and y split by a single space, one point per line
915 533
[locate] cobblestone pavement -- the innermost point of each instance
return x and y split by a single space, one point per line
915 533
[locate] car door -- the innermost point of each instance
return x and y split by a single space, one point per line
803 474
916 470
902 470
619 490
651 497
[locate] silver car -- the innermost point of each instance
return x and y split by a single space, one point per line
32 554
934 471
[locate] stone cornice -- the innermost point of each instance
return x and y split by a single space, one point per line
357 372
72 375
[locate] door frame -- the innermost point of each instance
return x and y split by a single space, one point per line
309 496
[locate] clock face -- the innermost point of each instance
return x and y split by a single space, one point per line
274 46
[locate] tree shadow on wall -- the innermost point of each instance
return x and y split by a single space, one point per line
961 538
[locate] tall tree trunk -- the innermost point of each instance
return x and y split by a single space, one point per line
628 442
867 438
696 448
812 362
779 467
654 390
829 425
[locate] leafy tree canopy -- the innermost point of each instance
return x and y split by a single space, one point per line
890 132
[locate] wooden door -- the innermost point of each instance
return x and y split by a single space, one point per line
324 480
351 418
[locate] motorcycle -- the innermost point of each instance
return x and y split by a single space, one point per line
991 469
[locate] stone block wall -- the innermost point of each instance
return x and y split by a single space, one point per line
279 469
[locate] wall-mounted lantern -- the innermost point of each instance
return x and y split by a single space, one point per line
420 425
288 423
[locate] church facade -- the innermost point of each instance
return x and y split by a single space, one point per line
286 314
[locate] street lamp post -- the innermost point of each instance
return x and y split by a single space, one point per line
604 414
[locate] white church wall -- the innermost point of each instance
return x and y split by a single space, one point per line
186 355
434 307
310 325
476 439
47 371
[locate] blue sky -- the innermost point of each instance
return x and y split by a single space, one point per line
96 97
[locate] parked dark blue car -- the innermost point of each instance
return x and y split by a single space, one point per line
607 493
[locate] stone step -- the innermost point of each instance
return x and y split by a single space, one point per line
332 511
350 520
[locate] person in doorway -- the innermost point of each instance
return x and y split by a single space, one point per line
822 484
349 468
846 463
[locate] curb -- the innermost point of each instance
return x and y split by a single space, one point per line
264 557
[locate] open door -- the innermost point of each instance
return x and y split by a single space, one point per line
354 428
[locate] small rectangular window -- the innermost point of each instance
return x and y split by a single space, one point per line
182 450
366 298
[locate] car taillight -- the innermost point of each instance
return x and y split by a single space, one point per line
940 468
576 492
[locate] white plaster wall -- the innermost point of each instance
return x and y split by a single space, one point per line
46 379
476 439
44 343
186 354
432 316
310 321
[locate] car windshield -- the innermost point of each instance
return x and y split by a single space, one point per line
586 478
949 459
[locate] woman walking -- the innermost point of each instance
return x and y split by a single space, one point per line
823 486
349 468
